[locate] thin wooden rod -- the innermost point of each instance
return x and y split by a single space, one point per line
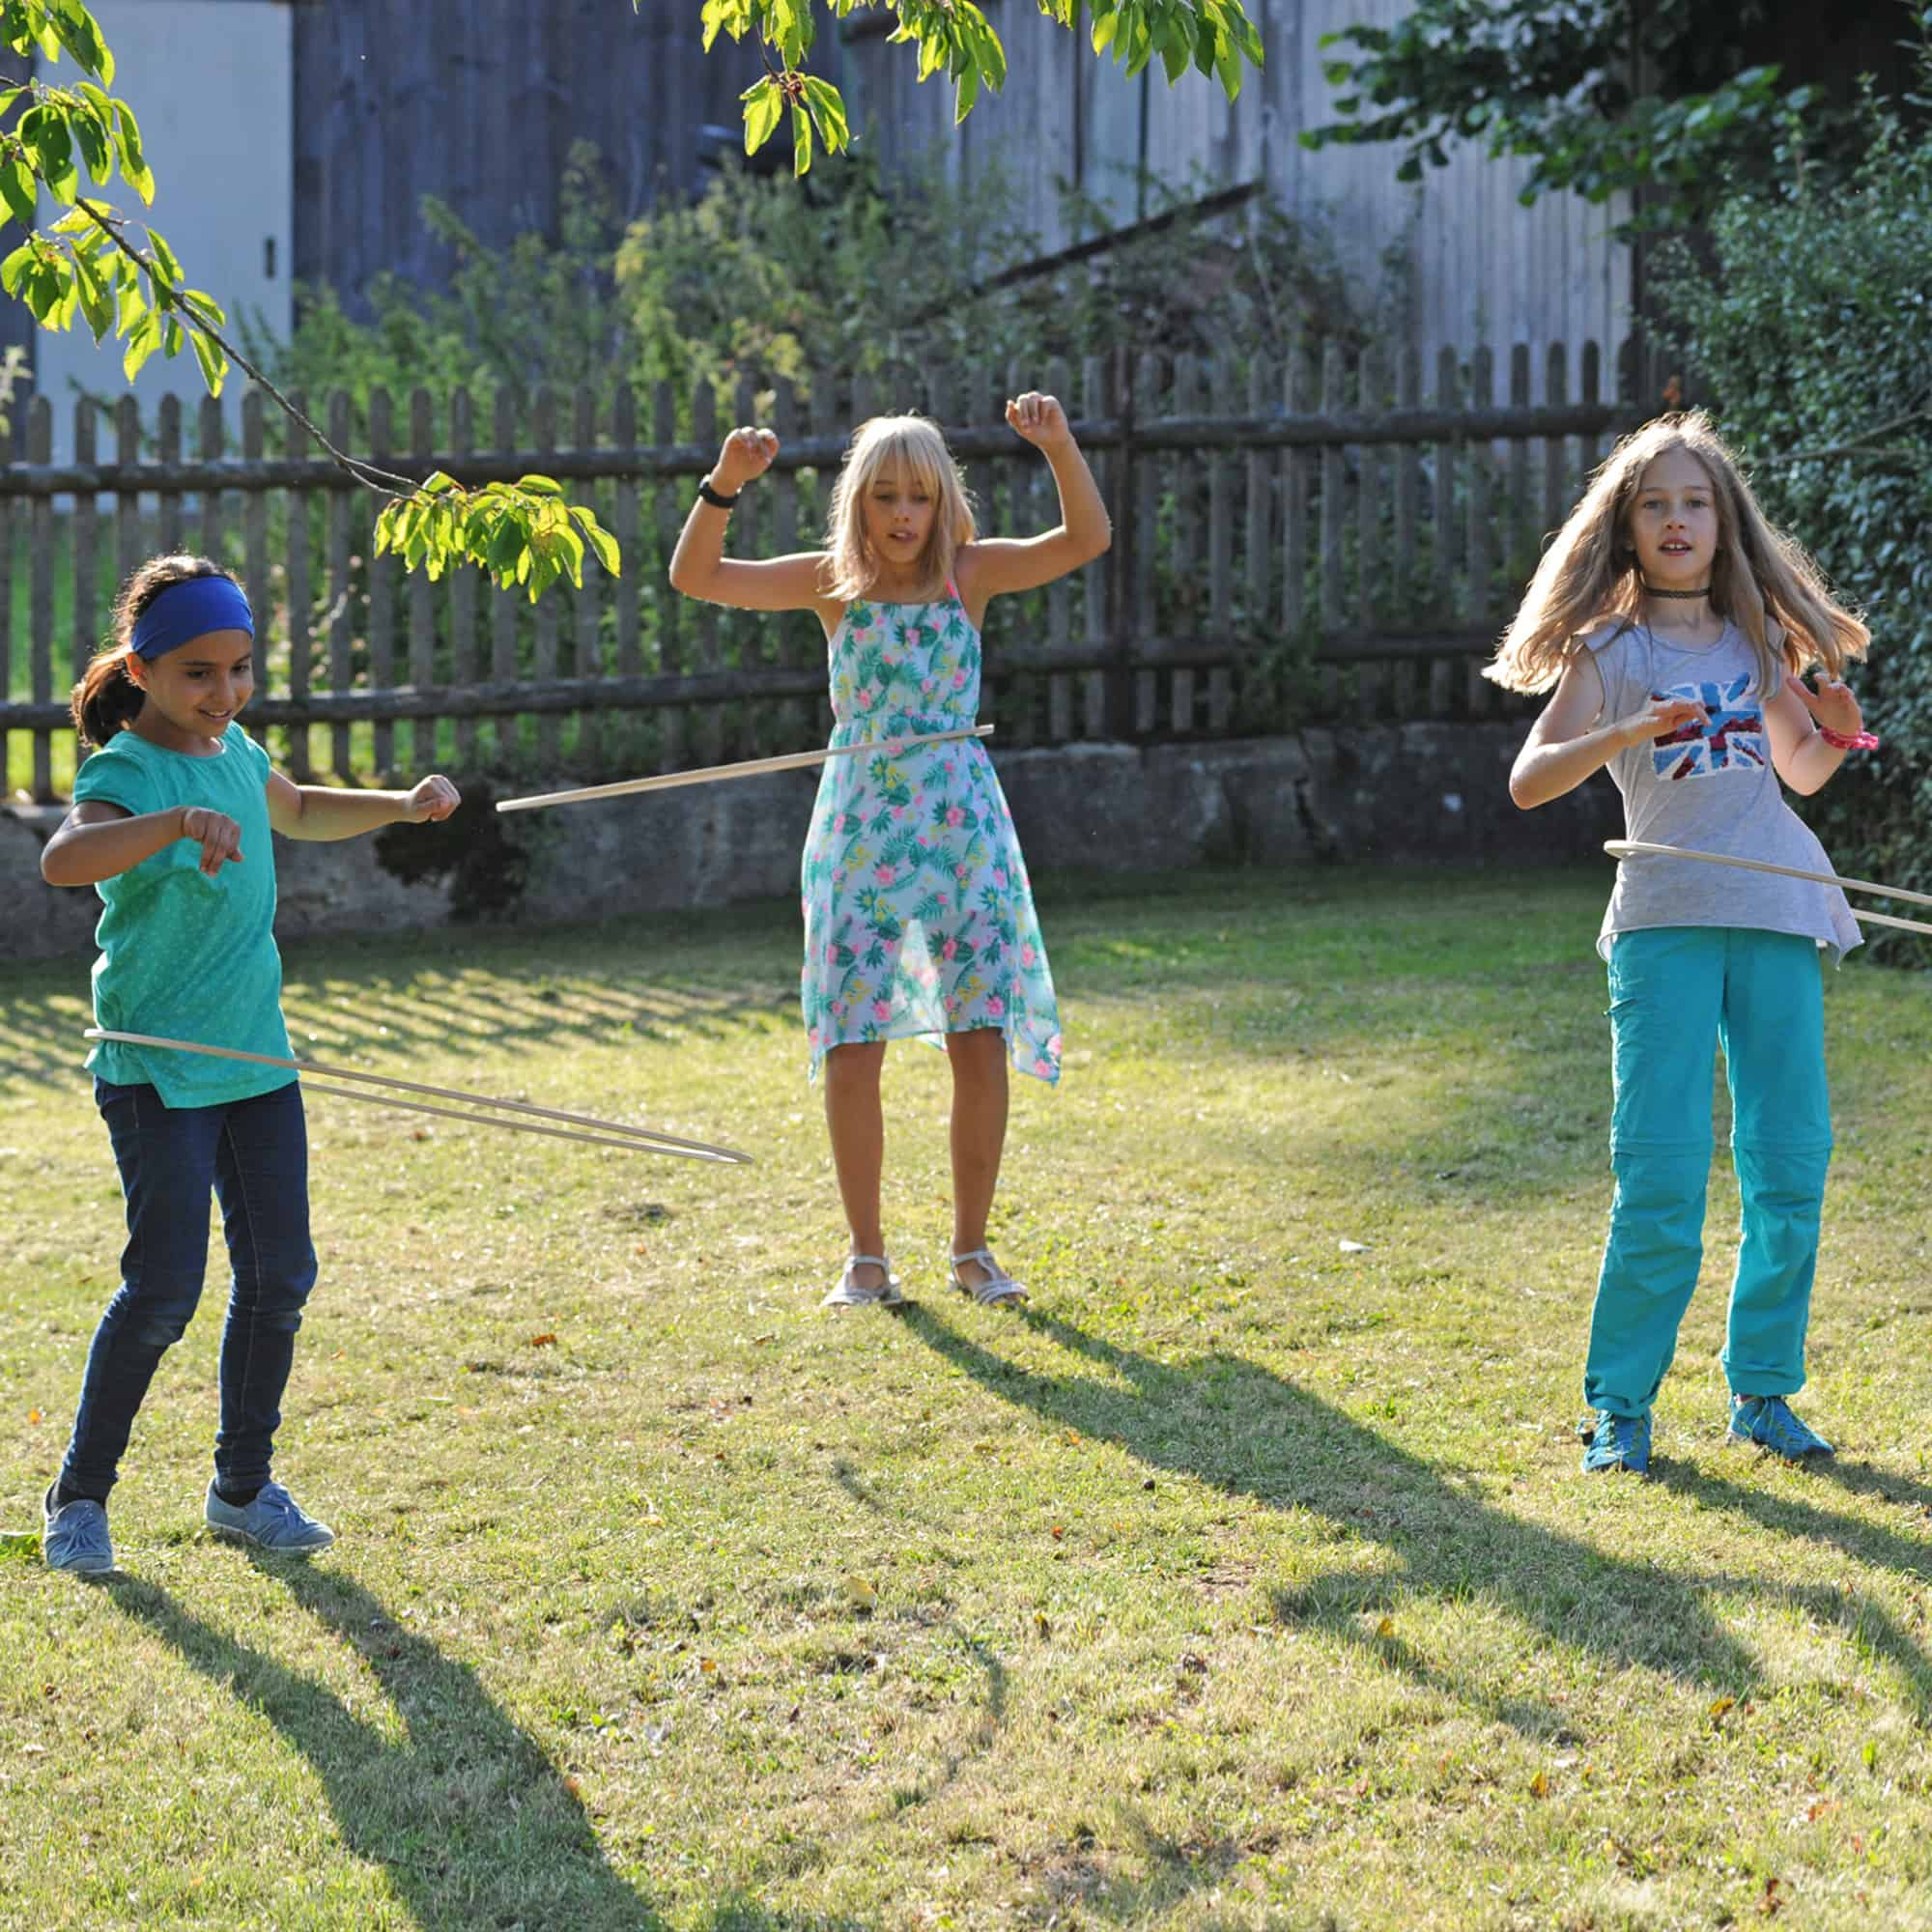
648 1134
519 1126
749 768
1886 919
1623 848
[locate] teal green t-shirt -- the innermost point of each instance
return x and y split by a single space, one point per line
184 955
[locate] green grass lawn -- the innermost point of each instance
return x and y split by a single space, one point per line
1246 1580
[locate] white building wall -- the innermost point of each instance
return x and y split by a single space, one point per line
210 82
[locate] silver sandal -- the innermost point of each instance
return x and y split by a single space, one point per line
999 1286
846 1294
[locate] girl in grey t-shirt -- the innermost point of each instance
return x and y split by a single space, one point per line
1675 625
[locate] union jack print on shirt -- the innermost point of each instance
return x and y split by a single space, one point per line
1731 741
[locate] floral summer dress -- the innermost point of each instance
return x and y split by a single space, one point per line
918 919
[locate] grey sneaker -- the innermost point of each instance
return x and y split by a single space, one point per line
74 1537
273 1521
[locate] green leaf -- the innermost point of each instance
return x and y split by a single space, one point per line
540 486
764 107
134 169
142 342
95 306
167 265
600 540
211 357
827 109
16 266
18 188
801 140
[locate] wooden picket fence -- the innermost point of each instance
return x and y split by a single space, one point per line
1291 543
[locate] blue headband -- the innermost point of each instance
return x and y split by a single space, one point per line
190 610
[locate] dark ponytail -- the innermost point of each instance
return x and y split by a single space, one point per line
107 700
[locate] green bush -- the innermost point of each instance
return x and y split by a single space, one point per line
1810 326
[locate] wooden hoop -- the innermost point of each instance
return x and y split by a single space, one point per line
749 768
648 1138
520 1126
1623 848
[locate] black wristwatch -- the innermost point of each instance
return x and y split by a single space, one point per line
714 498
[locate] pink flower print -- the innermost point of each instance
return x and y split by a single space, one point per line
882 1010
924 843
999 876
925 686
887 874
962 873
958 680
1026 955
864 697
941 899
955 816
838 1008
899 812
1053 1046
995 1007
1044 1068
950 947
832 953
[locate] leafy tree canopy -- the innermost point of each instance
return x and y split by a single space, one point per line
1657 98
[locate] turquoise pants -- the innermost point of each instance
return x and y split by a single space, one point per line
1675 993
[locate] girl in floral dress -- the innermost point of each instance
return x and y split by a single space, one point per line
918 916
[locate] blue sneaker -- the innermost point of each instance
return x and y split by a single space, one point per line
1766 1421
273 1521
74 1537
1616 1441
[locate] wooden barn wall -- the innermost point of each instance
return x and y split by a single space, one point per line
478 101
1480 266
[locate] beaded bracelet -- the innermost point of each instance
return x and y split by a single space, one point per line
1849 741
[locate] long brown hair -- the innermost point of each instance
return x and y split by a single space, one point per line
1759 577
107 700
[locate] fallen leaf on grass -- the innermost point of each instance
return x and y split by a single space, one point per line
1353 1247
1539 1785
33 1416
1040 1624
1722 1705
547 1340
859 1593
1386 1627
1069 1436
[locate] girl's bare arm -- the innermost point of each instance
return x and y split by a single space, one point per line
699 567
1564 748
996 564
98 840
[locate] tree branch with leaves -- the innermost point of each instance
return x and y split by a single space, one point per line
955 38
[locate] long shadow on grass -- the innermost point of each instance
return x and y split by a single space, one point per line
1795 1516
1226 1421
473 1823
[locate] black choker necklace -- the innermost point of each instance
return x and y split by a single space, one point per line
1648 591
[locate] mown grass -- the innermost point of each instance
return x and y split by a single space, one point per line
1244 1581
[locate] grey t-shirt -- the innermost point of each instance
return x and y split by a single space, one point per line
1708 788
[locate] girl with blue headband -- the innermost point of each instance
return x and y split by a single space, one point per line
170 825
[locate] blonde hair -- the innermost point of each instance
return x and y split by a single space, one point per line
1759 577
908 443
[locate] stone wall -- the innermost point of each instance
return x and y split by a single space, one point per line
1396 794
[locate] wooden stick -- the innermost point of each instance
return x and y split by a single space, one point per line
521 1127
749 768
1624 848
1886 919
667 1142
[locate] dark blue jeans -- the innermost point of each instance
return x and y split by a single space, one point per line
254 1155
